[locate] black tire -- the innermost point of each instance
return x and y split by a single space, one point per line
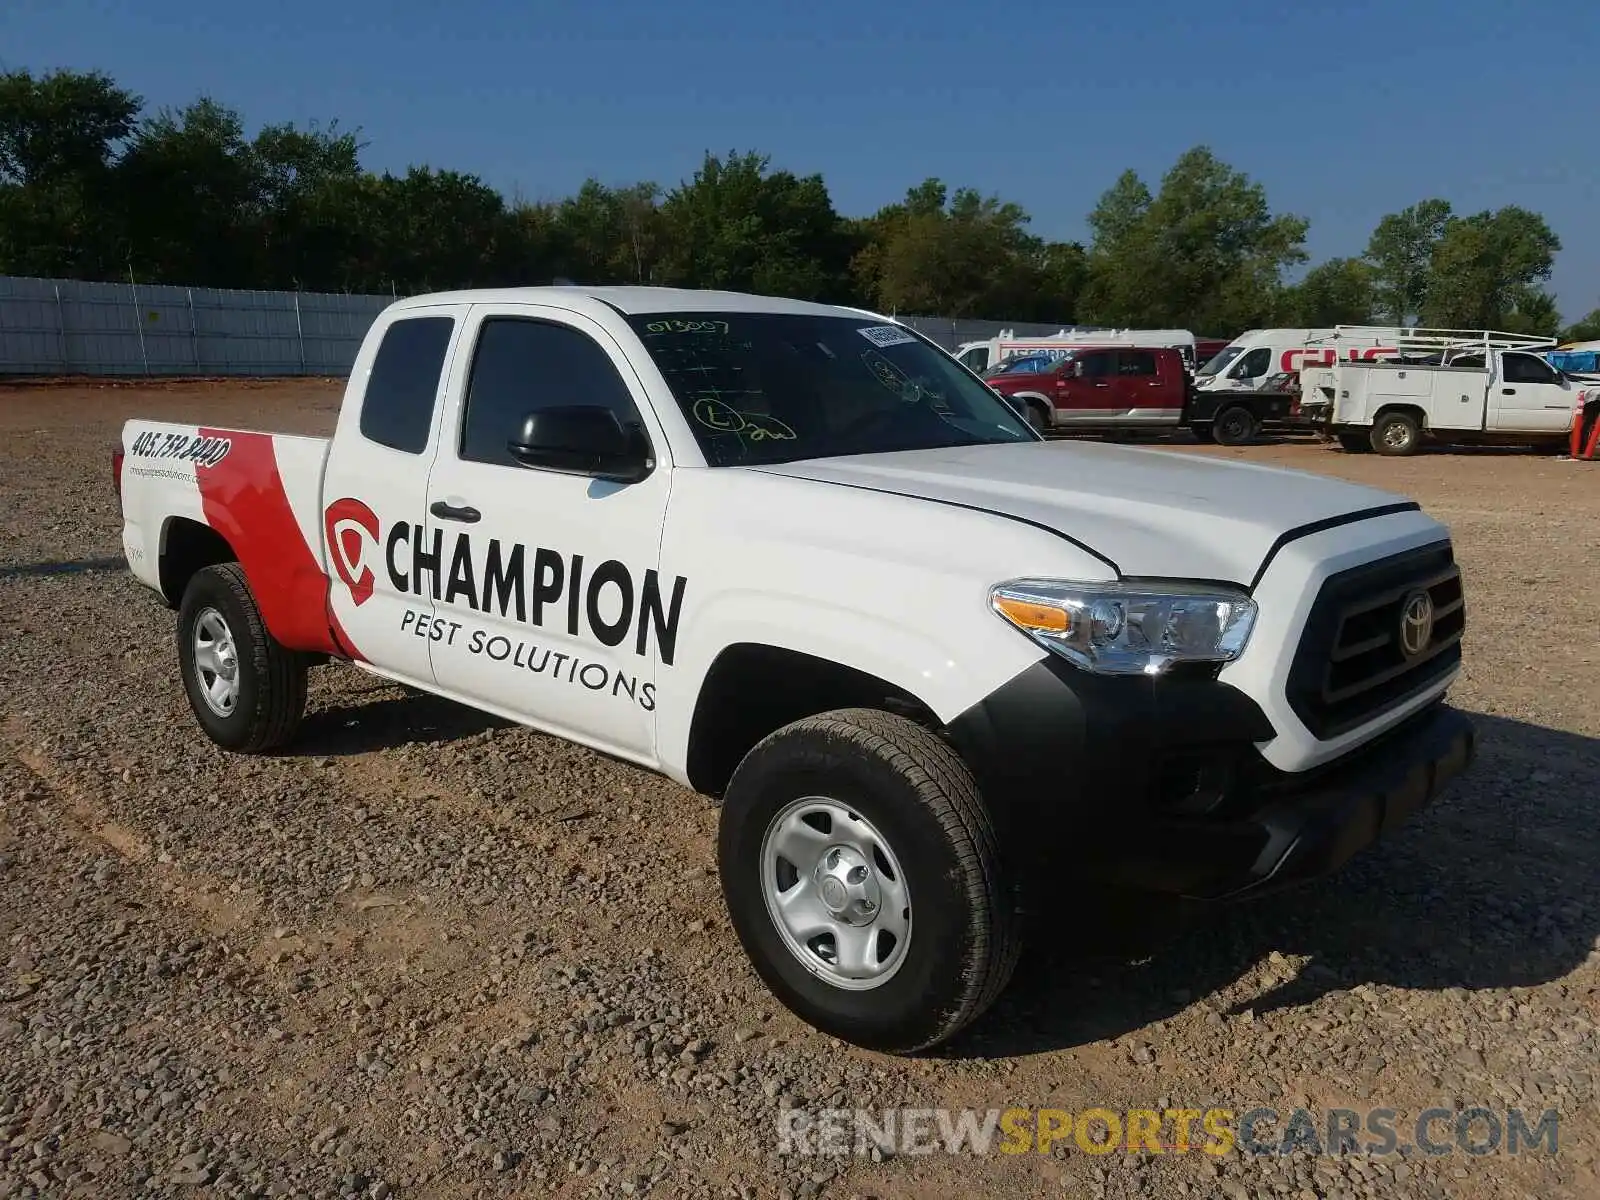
1396 434
1235 426
910 785
1037 417
1353 443
1203 432
270 695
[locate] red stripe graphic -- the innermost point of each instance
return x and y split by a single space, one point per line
244 500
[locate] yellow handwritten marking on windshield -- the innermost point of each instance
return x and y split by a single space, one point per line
722 418
679 326
714 414
763 428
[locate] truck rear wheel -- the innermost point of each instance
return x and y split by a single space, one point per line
247 691
1235 426
863 876
1396 434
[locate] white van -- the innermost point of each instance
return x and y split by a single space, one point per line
983 357
1255 356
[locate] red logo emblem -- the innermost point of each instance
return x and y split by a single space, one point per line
343 523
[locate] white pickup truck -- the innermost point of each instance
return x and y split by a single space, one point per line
1464 387
940 672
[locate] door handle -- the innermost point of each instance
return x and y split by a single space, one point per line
1508 391
449 512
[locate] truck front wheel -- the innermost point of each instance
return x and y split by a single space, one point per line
1037 416
1396 434
247 691
863 877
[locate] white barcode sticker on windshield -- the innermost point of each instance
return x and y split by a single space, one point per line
885 335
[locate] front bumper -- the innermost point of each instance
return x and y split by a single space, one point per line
1307 828
1156 785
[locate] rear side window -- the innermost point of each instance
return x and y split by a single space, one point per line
522 366
397 410
1136 362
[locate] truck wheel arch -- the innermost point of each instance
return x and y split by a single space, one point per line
752 689
187 547
1410 410
1038 402
1398 415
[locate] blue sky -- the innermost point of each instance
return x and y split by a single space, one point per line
1345 112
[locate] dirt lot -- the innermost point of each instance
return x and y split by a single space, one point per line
425 954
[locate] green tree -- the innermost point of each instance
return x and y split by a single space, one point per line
1401 253
439 229
1204 252
610 234
190 187
295 174
1585 329
60 136
1485 270
963 254
1063 271
1338 292
738 225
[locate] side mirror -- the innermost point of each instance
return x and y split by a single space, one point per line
582 439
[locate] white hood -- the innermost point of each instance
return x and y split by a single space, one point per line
1151 512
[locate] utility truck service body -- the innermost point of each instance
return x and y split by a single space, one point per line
1448 385
941 674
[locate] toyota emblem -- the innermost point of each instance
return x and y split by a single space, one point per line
1416 624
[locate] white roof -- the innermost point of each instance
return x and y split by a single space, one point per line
637 300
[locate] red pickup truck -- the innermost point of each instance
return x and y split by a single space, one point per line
1100 386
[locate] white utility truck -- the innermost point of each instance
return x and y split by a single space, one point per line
1445 385
942 674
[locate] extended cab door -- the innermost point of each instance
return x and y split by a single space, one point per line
1528 396
375 486
547 582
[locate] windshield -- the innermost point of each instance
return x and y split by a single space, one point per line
1220 363
1024 362
760 388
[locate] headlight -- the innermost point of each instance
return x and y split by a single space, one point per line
1128 628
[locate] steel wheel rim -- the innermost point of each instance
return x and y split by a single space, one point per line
1234 426
216 662
1396 435
836 893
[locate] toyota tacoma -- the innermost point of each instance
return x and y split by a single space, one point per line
800 560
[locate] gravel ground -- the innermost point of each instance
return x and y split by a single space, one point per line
426 954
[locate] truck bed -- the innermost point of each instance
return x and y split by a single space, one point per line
259 492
